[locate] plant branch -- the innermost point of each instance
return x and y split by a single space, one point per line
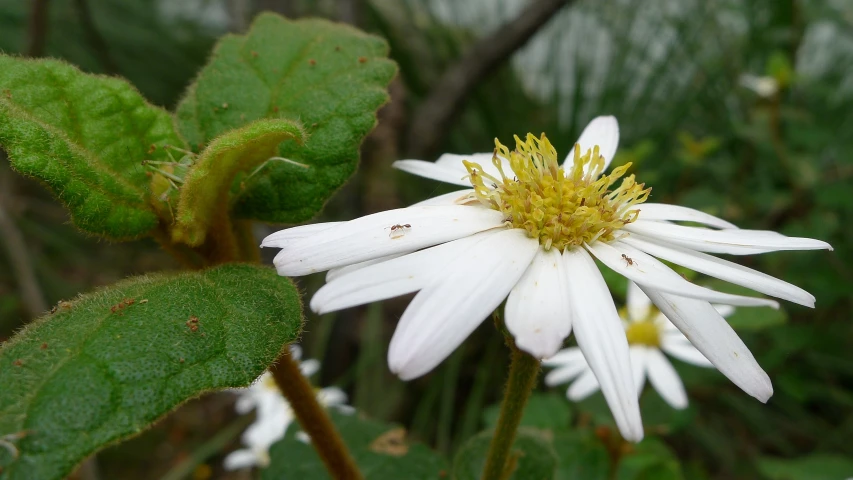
99 46
448 94
523 371
37 30
19 255
313 418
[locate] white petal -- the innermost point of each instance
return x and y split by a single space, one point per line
724 310
564 357
368 237
715 338
309 367
331 396
268 430
245 403
677 213
686 352
602 131
648 271
583 387
601 337
454 161
537 311
337 272
734 242
459 197
281 237
295 352
242 458
637 302
565 373
638 354
392 278
445 312
722 269
665 379
434 171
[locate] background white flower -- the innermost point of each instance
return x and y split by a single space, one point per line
274 414
528 232
650 334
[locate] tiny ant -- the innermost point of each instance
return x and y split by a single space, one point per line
398 230
628 260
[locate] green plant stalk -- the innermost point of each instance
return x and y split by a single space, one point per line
523 371
314 419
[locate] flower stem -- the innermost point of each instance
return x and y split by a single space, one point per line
523 371
313 418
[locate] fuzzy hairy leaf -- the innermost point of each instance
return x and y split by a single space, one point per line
208 183
108 364
85 137
330 77
379 449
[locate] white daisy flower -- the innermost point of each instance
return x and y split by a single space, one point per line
274 414
650 334
764 86
528 232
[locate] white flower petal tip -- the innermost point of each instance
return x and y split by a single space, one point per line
644 269
381 234
734 242
280 238
709 332
434 171
444 313
537 310
602 131
722 269
601 337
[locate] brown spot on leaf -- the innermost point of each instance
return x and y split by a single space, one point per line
44 346
392 442
312 62
151 149
362 59
18 363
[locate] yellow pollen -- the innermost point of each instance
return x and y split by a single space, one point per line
643 333
561 207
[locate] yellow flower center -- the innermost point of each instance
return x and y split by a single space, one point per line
643 333
561 207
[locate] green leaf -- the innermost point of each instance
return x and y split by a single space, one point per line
208 183
379 450
84 136
546 411
107 365
651 460
819 466
581 456
534 456
330 77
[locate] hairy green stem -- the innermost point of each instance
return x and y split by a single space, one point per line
523 372
314 419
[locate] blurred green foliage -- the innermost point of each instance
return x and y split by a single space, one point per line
671 72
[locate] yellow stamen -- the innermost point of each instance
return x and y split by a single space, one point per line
561 208
643 333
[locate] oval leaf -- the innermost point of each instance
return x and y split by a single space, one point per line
208 183
85 136
331 77
107 365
